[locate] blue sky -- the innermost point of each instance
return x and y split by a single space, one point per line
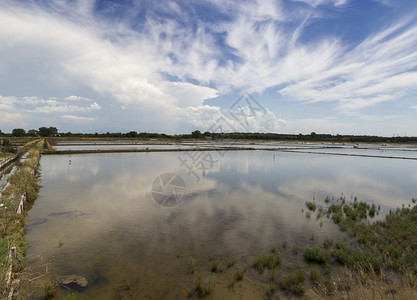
329 66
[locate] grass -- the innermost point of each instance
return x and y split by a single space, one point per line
259 263
237 276
216 267
49 292
193 265
240 274
71 296
5 155
23 181
315 275
202 287
231 262
314 254
267 262
311 205
293 282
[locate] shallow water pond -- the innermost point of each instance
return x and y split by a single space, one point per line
130 223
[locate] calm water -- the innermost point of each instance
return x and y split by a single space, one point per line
98 216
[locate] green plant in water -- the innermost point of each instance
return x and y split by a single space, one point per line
314 254
293 282
315 275
71 296
270 289
193 265
49 292
240 274
260 263
216 267
327 243
311 205
232 262
202 287
273 261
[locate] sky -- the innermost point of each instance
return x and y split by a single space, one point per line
283 66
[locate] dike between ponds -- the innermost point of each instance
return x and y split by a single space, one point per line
22 188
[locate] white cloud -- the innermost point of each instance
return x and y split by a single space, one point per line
77 98
77 118
7 103
414 107
315 3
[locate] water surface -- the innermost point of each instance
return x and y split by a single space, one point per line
96 216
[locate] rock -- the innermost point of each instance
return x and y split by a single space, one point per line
73 280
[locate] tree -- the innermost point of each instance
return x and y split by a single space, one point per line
19 132
51 131
196 134
132 134
32 132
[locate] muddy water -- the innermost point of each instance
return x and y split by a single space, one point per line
101 217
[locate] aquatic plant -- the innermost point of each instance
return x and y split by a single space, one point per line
240 274
202 287
293 282
311 205
71 296
327 243
270 262
259 263
193 265
216 267
315 275
270 289
314 254
49 291
231 262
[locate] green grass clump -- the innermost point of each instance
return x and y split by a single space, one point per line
315 275
193 265
202 287
327 243
71 296
260 263
273 260
311 205
270 262
240 274
293 282
216 267
270 289
231 262
314 254
49 291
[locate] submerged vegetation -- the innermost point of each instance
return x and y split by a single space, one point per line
23 188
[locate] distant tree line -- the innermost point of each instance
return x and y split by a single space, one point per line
312 137
41 132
